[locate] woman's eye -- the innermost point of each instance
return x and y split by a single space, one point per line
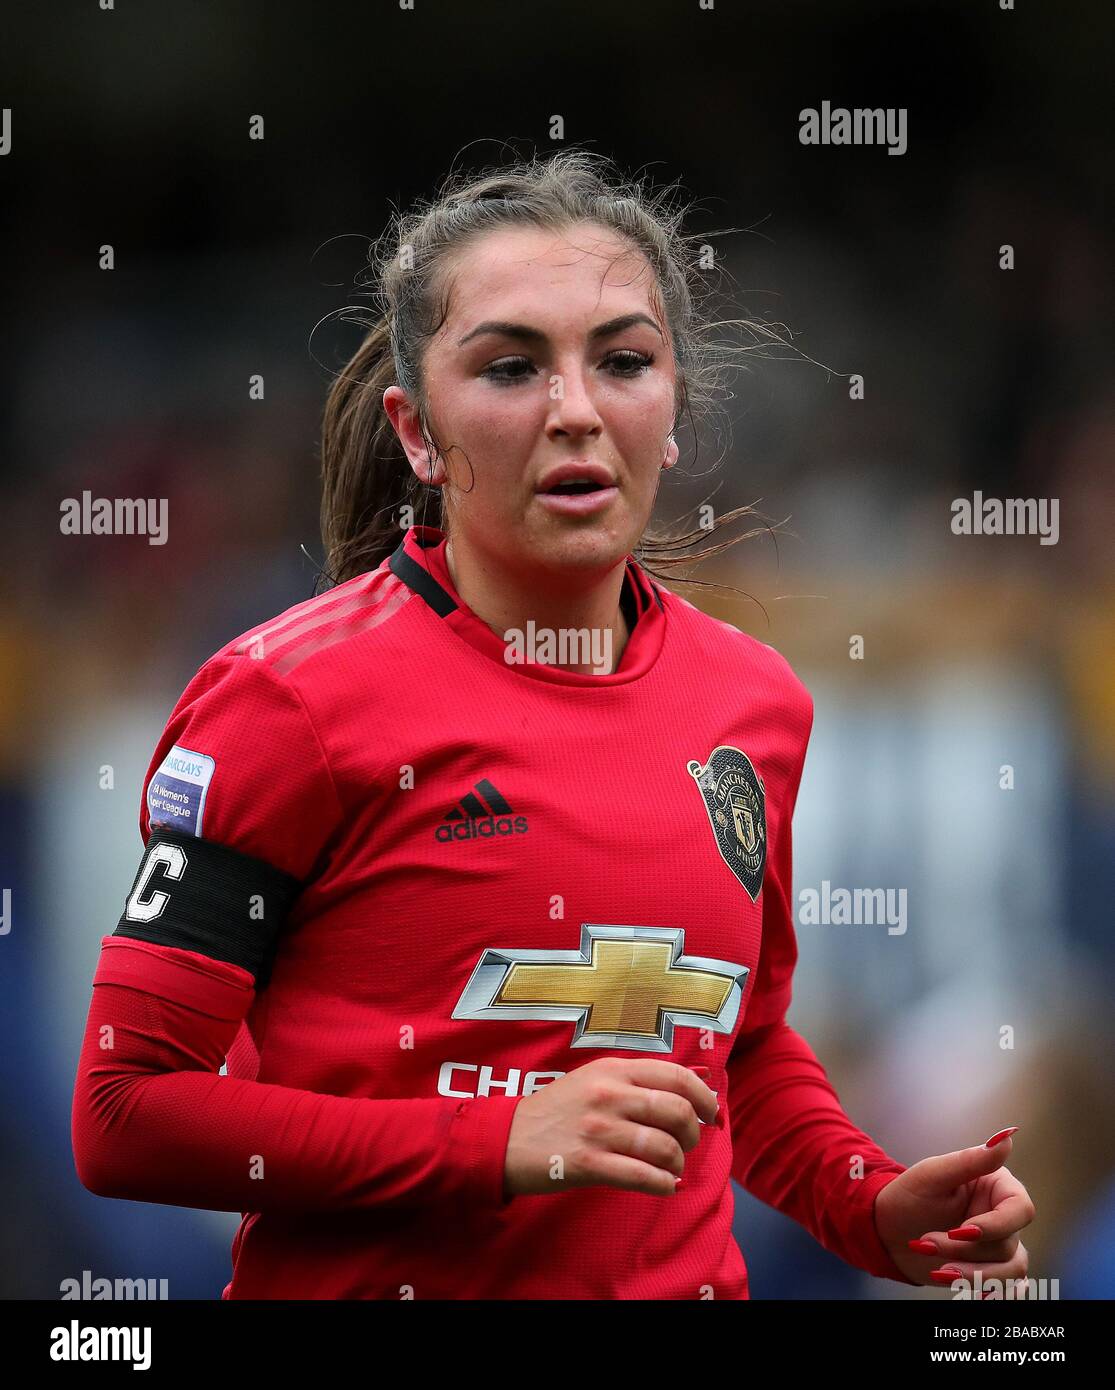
503 371
630 362
624 362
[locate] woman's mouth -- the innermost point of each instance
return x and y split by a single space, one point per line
577 497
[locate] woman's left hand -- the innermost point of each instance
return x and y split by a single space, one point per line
954 1213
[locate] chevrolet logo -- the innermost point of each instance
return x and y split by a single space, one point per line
624 987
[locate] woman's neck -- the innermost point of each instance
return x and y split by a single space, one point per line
505 605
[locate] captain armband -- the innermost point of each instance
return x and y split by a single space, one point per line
205 897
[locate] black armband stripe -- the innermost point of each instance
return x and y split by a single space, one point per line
205 897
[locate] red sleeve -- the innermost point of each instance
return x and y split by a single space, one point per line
795 1148
241 790
240 764
793 1145
153 1121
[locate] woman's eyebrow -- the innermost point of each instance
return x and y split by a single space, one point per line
535 335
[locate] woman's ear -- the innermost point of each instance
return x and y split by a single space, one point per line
428 465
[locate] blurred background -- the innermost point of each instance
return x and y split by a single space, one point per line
129 127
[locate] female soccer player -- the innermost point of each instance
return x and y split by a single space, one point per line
476 867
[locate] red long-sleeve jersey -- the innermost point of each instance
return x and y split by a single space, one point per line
400 882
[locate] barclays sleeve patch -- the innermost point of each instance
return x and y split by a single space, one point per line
176 793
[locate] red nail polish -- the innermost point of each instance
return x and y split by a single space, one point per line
945 1276
923 1247
965 1233
998 1138
702 1071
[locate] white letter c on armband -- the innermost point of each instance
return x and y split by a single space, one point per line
173 862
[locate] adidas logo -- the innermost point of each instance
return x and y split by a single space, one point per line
481 814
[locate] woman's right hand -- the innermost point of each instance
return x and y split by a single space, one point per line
617 1122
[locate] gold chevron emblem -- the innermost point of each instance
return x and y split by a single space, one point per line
624 987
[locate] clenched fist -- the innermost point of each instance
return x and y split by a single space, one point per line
615 1122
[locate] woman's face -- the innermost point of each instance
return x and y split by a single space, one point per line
552 354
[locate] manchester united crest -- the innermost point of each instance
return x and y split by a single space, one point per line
735 800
